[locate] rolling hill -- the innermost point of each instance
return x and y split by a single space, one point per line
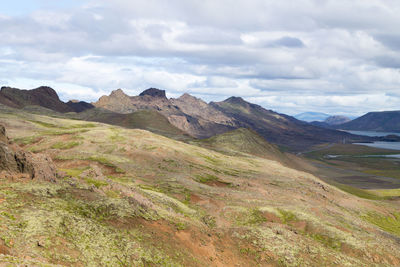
385 121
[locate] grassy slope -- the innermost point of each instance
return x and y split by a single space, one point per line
167 203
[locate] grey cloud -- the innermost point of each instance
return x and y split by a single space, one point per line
288 42
210 36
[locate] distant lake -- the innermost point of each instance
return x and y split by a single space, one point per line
371 133
379 144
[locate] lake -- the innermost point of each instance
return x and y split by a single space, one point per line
371 133
379 144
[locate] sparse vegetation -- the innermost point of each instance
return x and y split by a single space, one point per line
159 202
65 145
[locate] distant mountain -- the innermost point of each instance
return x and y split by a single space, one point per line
385 121
312 116
337 119
331 121
42 96
187 113
280 129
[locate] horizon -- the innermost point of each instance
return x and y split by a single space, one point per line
292 58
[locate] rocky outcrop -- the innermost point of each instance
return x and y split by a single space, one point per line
154 92
14 162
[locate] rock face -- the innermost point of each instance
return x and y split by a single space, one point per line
15 161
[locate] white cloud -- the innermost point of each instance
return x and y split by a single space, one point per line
332 56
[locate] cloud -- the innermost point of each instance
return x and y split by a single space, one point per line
293 57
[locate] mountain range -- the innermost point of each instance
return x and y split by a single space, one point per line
183 117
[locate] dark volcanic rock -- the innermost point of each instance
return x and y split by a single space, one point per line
14 161
154 92
79 106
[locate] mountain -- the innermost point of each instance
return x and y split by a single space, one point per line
312 116
331 121
336 120
187 113
385 121
181 116
42 96
280 129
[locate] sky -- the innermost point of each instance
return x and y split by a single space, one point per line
338 57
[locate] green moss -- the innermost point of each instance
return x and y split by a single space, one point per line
327 241
8 215
358 192
74 172
180 226
27 140
44 124
96 183
287 216
389 223
63 145
206 178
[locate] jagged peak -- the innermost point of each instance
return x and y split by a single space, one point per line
187 96
235 100
154 92
118 92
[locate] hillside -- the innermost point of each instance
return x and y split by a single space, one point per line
143 119
385 121
129 197
278 128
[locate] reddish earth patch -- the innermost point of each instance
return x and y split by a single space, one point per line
195 198
3 248
271 217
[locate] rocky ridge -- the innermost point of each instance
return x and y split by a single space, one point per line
187 113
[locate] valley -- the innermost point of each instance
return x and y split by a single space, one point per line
126 181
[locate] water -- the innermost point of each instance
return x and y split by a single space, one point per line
371 133
379 144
